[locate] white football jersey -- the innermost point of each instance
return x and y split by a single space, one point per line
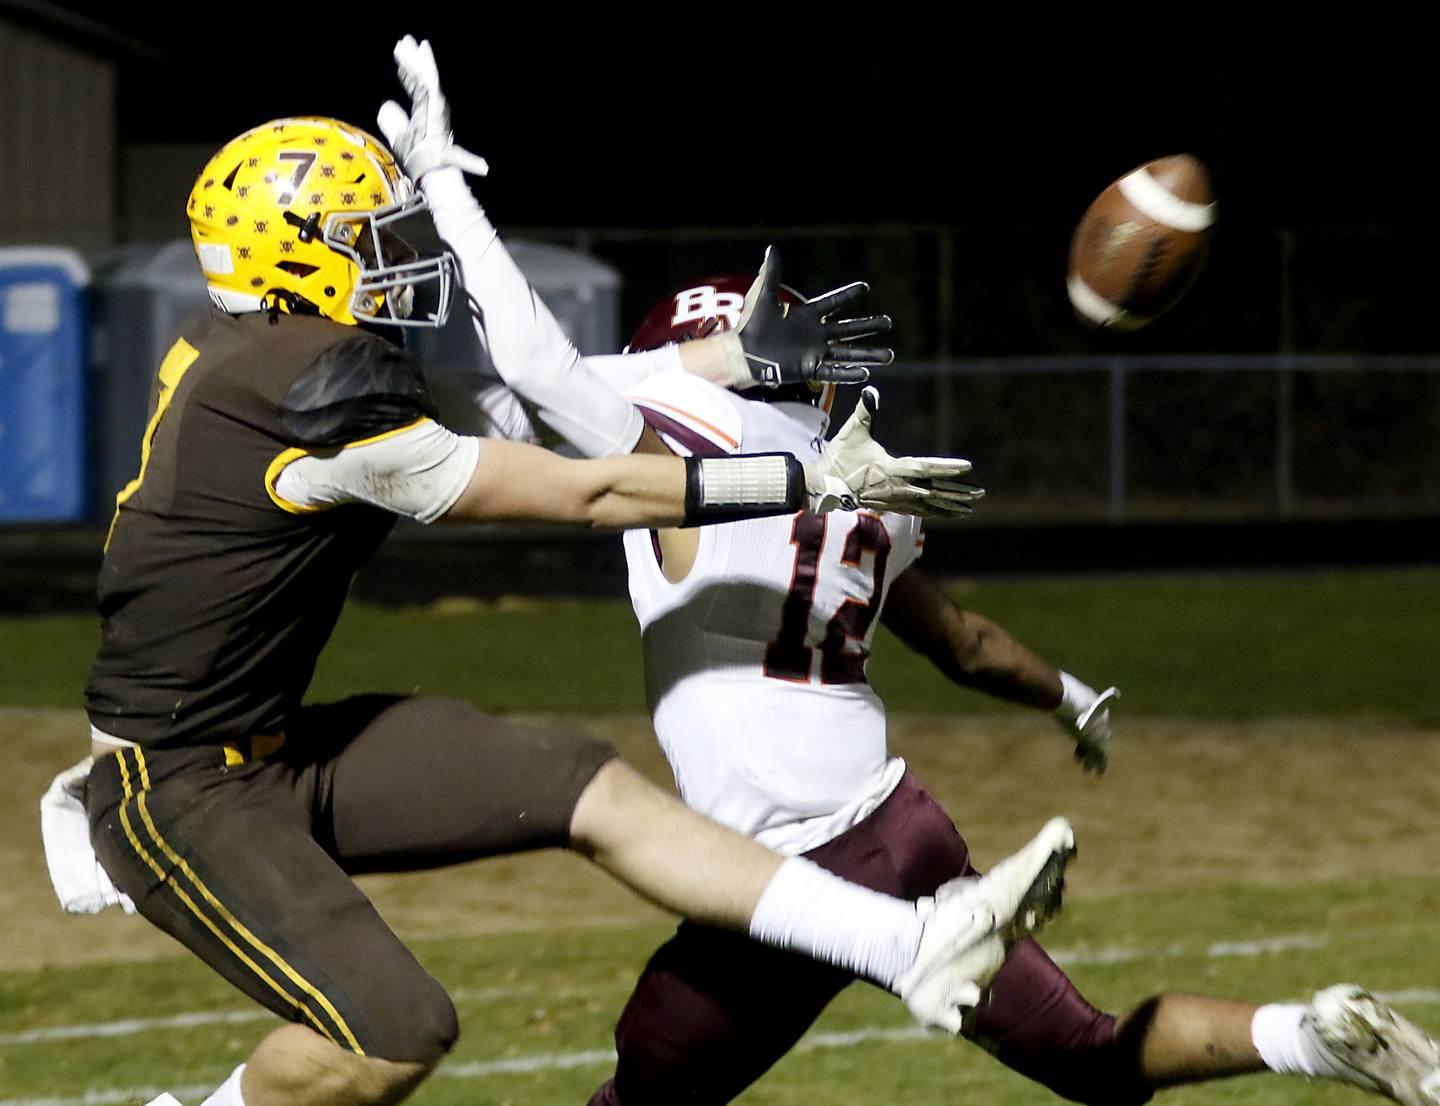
755 662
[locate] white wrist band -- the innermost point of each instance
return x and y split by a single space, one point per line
723 489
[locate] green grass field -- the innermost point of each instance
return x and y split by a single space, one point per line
1269 826
537 1008
1255 645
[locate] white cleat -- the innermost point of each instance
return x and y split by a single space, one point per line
1024 889
166 1099
972 922
1373 1047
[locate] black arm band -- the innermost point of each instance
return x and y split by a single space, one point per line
750 485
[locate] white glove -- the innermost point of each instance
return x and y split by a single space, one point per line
421 139
1085 716
81 885
855 471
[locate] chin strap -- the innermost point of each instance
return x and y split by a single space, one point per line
277 300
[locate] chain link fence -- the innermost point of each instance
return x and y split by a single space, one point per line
1180 437
1248 401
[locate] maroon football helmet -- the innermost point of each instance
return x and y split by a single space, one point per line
708 306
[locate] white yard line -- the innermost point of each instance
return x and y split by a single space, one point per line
1262 947
133 1025
1221 950
561 1061
519 1065
1418 997
480 1069
108 1097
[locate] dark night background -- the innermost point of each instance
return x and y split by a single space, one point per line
946 161
652 118
578 134
660 116
902 126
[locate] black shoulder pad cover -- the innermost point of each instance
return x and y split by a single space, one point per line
355 389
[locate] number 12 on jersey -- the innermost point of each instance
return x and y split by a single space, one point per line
789 656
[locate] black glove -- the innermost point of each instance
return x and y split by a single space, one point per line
799 344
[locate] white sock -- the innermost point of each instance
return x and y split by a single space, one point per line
809 910
1284 1046
228 1093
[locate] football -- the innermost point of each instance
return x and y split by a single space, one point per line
1142 243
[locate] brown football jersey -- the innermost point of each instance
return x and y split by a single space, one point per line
216 594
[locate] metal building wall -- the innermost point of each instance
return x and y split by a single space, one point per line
155 181
57 148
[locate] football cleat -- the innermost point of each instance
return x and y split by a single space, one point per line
1373 1047
971 923
166 1099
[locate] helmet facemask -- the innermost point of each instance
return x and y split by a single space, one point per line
396 285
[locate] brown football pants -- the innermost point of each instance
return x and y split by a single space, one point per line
246 858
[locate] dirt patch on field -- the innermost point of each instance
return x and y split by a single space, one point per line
1185 804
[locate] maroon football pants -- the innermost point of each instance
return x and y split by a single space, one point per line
714 1010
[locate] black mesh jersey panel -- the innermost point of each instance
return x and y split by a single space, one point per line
355 389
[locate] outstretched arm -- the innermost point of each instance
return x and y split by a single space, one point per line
527 346
424 471
977 652
514 482
966 646
524 341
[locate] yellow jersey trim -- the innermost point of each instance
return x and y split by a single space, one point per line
290 456
179 359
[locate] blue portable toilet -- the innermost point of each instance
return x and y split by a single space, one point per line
42 385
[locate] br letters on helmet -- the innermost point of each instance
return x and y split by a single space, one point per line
711 305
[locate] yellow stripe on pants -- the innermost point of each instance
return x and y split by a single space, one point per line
225 915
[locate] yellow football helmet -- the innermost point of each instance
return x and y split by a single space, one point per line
296 214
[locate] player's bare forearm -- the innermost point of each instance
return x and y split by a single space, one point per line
969 648
514 482
717 358
678 546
